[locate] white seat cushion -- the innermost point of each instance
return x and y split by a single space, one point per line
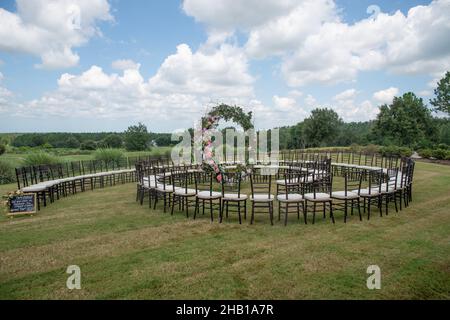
341 195
168 189
365 193
35 188
262 197
209 195
319 196
185 192
234 196
100 174
49 183
291 197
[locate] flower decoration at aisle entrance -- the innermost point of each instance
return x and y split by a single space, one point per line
210 122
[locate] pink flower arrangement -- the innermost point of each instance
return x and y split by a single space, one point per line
208 153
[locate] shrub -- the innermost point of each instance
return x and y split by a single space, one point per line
47 146
2 149
88 145
439 154
425 153
102 144
113 141
371 149
396 151
109 156
72 142
355 148
37 140
40 158
442 146
423 144
7 173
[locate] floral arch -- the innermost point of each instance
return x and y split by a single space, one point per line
211 122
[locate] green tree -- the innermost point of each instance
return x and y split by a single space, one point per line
136 137
72 142
322 128
163 140
2 149
88 145
114 141
405 122
37 140
442 92
297 140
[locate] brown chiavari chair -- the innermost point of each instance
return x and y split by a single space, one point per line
320 189
206 194
182 194
290 201
163 189
372 194
232 199
350 195
389 189
261 197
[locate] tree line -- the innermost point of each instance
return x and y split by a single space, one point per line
135 138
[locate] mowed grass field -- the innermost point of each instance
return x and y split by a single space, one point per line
127 251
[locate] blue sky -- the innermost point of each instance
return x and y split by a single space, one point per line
98 65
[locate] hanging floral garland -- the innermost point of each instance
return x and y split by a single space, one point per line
209 123
209 161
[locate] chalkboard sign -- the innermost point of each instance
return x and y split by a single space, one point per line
22 204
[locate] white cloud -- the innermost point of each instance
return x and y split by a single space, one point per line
110 96
284 103
349 94
51 29
316 46
310 101
295 93
337 52
5 98
283 33
125 64
348 109
185 83
219 74
385 96
232 15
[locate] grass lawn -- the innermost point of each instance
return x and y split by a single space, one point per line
125 250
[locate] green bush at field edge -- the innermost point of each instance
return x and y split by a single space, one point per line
109 155
40 158
7 173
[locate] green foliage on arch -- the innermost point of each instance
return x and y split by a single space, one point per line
227 112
